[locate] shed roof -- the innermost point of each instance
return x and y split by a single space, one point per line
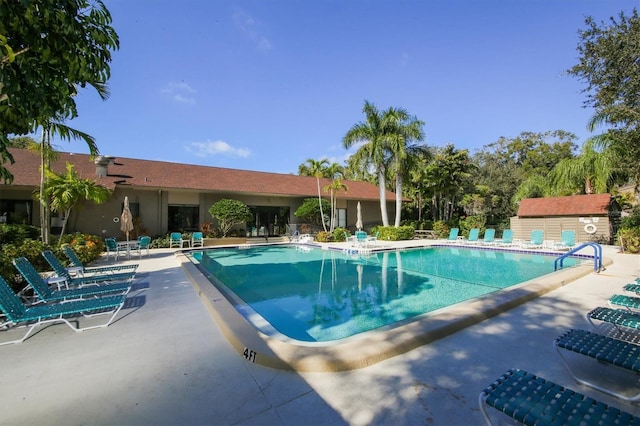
147 174
574 205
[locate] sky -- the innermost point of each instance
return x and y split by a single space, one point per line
266 85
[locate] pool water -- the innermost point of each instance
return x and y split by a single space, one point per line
316 295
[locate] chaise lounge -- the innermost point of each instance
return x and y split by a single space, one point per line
64 275
17 313
606 350
46 295
533 400
79 267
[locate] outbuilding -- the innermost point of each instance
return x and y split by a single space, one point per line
593 217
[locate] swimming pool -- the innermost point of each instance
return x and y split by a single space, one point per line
324 295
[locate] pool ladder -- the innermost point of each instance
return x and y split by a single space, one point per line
597 256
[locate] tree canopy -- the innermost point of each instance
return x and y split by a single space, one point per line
50 49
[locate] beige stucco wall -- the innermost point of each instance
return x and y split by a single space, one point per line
153 204
553 227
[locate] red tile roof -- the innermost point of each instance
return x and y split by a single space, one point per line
164 175
574 205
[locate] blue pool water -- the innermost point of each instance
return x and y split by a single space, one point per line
321 295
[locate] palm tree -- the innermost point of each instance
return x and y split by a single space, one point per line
47 153
591 172
336 172
318 169
402 147
374 132
67 189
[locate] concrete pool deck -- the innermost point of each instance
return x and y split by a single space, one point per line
164 361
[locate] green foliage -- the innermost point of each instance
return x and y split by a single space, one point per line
629 240
470 222
66 190
210 231
87 247
31 249
230 213
309 211
631 221
391 233
324 237
41 76
22 241
10 233
442 228
340 235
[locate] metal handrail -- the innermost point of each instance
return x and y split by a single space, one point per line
597 255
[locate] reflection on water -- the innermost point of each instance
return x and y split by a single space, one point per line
322 295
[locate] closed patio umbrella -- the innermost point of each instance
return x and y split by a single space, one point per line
359 218
126 220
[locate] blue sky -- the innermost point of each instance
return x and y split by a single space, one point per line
265 85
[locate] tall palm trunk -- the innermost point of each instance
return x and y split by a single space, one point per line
324 226
398 199
382 186
44 198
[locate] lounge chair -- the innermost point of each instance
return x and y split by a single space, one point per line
362 239
17 313
175 239
45 294
62 273
197 239
474 233
567 240
453 235
111 245
618 353
533 400
632 287
82 270
617 317
488 237
536 241
617 300
506 240
143 245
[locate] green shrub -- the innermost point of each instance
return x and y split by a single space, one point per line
470 222
391 233
160 242
32 250
629 239
441 228
87 247
324 237
340 235
10 233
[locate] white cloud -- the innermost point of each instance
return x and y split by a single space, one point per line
245 23
213 148
180 92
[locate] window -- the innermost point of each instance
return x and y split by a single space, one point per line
16 211
341 218
183 218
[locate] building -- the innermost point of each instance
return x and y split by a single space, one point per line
593 217
166 197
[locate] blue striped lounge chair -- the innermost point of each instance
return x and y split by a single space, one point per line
506 240
533 400
623 355
567 240
17 314
69 280
79 267
489 236
537 238
474 233
453 235
45 294
617 317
